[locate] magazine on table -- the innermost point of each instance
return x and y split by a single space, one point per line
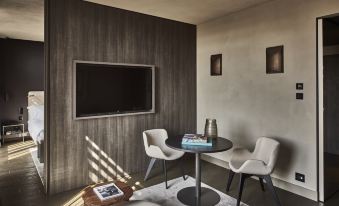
196 140
108 191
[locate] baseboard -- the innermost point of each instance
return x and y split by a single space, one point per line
310 194
215 161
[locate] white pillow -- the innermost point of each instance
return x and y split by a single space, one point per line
36 112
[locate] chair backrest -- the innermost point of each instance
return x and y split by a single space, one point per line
155 137
266 150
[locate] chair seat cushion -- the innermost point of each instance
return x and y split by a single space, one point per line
255 167
172 154
239 157
242 161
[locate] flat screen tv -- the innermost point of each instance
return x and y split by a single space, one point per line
108 89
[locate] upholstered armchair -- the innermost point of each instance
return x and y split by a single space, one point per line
156 149
258 163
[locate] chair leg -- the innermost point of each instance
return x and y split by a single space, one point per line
150 166
262 184
241 187
230 178
271 188
182 169
165 171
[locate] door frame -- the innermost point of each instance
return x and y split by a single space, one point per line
320 106
47 117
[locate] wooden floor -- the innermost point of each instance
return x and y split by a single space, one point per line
21 185
19 181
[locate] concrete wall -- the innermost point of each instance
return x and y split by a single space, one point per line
247 102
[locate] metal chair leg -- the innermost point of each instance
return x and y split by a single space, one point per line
150 166
271 188
262 184
165 171
241 187
182 169
230 178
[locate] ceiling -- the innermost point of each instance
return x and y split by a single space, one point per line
22 19
189 11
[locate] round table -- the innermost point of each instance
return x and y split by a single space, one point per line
203 196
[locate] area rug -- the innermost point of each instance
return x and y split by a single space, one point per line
158 194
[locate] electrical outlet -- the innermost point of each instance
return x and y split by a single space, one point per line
299 177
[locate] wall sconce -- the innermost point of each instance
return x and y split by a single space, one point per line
216 65
275 60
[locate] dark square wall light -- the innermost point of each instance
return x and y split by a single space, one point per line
275 60
216 65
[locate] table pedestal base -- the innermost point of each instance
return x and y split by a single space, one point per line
208 197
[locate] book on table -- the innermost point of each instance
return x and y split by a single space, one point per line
196 140
108 191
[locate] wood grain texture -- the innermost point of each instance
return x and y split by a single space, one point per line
86 151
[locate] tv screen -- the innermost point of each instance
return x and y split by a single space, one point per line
104 89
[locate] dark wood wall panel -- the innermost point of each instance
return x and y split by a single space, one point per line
84 151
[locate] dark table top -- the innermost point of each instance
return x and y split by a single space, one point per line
219 145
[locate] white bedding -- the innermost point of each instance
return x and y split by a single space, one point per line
36 130
36 122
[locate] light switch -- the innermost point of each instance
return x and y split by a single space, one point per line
300 96
300 86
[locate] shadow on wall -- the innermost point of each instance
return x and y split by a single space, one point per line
241 135
102 167
286 153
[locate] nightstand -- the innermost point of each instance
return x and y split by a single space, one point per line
12 131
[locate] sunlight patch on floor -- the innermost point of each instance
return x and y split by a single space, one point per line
19 149
76 200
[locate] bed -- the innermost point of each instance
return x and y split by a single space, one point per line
36 120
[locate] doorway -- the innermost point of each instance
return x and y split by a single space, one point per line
22 98
328 73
